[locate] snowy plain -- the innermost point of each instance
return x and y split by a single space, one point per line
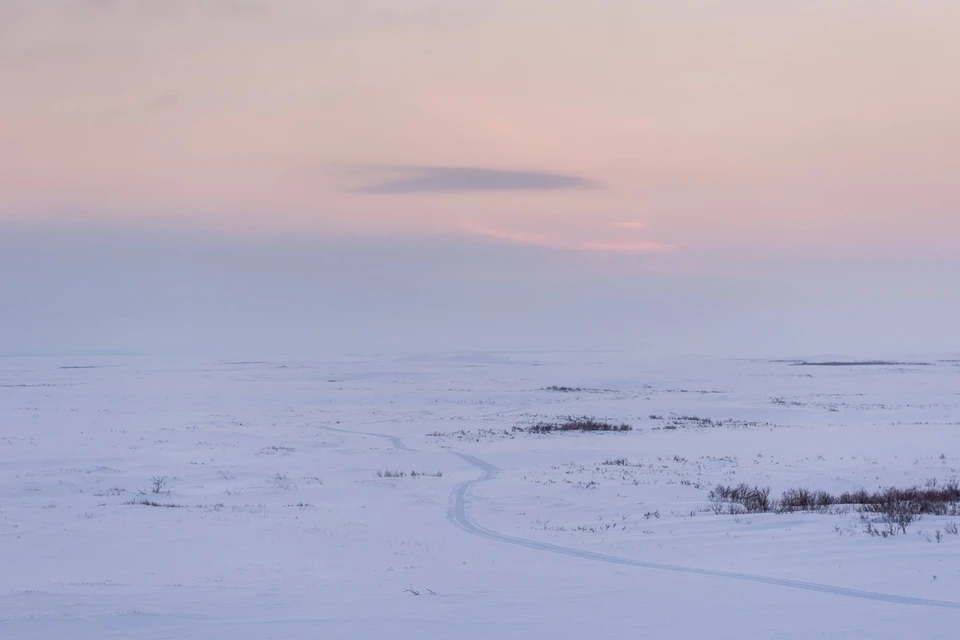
201 499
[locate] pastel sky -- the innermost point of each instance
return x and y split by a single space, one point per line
768 144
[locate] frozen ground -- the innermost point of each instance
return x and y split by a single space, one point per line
275 520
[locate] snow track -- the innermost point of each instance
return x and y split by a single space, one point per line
396 442
460 516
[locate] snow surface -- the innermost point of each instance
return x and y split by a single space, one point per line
282 526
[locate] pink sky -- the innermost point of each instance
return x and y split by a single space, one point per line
797 125
745 176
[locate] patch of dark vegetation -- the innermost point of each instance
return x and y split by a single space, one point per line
82 366
937 501
565 389
783 402
396 473
616 462
895 507
687 421
153 503
807 500
707 422
750 499
475 436
582 423
112 491
860 363
424 474
26 386
570 424
273 450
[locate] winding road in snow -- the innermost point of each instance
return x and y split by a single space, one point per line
459 515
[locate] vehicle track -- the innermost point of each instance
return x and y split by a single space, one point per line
395 441
459 515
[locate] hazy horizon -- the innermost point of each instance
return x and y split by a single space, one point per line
107 289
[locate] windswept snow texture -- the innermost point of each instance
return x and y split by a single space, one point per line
372 497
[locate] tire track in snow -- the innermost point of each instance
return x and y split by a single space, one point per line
459 515
395 441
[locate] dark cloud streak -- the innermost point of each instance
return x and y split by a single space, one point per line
461 179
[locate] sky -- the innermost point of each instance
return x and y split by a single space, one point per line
742 177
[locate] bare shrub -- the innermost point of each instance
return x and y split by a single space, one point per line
390 473
805 500
938 501
752 499
898 513
897 507
157 484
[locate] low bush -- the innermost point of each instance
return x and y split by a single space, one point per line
932 500
752 499
896 507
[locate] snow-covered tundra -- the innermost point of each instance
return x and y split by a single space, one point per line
441 497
